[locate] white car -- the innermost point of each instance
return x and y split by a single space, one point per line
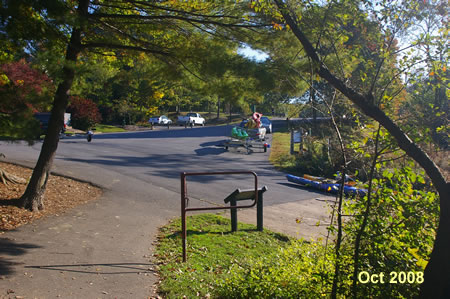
191 118
160 120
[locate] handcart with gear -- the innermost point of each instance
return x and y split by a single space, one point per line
247 139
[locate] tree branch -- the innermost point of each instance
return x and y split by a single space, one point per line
365 104
123 47
175 17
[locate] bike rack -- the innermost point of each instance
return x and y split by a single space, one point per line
185 200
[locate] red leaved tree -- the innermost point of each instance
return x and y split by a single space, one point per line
84 112
23 91
22 87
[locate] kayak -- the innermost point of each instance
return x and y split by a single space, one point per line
325 186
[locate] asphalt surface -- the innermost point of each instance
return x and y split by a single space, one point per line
104 249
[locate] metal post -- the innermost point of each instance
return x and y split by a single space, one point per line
233 211
185 200
301 142
183 214
292 142
259 212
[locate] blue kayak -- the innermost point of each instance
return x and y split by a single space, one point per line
324 186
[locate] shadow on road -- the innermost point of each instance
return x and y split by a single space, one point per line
170 166
213 131
209 151
11 248
130 268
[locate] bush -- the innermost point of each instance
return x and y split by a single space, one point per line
84 112
301 270
399 233
398 239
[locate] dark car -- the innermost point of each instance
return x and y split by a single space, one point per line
44 119
266 123
257 132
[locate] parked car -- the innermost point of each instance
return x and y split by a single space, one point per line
160 120
254 133
266 123
191 118
44 119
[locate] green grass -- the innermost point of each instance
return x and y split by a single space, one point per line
212 251
280 153
100 128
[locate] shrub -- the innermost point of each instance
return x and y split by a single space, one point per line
399 234
301 270
84 112
398 239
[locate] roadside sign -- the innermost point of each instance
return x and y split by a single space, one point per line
297 137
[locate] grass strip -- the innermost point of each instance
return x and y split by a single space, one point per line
280 153
101 128
212 250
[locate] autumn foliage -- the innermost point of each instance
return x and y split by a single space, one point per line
84 112
24 90
23 87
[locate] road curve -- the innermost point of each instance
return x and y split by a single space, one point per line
103 249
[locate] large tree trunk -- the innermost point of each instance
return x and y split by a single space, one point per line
437 272
33 198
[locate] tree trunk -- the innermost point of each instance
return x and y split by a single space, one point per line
33 198
218 108
437 272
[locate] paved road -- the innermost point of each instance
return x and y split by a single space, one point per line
105 247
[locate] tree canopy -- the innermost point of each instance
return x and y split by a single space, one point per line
374 60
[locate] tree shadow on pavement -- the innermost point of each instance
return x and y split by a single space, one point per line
14 202
10 248
209 151
214 131
103 268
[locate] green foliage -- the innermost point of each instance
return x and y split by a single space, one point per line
299 270
398 237
314 159
401 222
400 231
